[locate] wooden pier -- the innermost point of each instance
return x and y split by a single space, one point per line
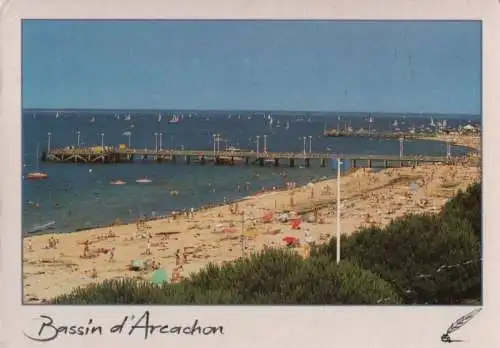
291 159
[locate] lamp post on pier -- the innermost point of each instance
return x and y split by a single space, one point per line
448 150
213 139
304 149
102 142
310 144
156 141
265 143
401 148
48 141
258 143
161 140
129 135
77 138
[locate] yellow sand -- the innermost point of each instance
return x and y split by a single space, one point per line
367 198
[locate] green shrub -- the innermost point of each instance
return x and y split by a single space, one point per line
409 252
269 277
467 205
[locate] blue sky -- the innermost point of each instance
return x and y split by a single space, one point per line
255 65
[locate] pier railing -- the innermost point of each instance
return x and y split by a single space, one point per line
245 154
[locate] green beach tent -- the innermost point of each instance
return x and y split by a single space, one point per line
160 277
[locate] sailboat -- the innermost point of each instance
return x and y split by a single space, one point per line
57 115
159 117
128 117
37 175
432 124
92 120
287 125
174 119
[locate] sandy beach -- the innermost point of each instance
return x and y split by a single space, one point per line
79 259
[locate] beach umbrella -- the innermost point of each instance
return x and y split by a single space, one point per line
138 264
289 240
160 277
310 185
283 217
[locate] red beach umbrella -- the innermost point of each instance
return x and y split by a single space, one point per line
289 240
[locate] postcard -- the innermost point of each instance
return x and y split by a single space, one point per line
178 173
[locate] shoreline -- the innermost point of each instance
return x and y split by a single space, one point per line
473 143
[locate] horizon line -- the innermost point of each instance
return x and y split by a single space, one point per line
249 110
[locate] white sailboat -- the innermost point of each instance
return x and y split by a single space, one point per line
57 115
159 117
174 119
287 125
128 117
432 124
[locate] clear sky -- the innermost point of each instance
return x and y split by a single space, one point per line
255 65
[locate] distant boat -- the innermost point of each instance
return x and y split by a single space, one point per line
57 115
432 124
37 175
118 182
287 125
92 120
232 149
159 117
39 228
128 117
143 181
174 119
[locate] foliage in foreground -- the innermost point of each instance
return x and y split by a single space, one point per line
269 277
427 259
468 206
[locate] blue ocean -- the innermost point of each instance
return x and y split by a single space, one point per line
78 196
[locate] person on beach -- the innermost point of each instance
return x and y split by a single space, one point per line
86 248
148 247
178 257
112 255
30 246
184 256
